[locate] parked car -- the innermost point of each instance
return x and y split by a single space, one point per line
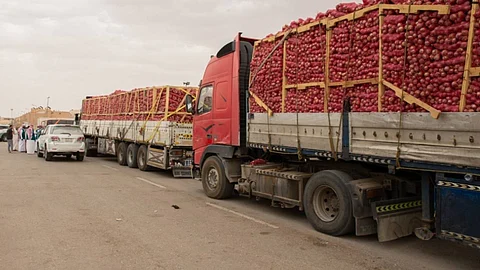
61 140
3 133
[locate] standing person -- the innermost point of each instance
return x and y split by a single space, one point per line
10 138
22 134
15 139
30 140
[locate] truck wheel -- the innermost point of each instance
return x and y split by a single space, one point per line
122 154
80 156
328 204
142 156
214 182
90 152
132 151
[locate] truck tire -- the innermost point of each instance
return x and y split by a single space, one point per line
328 203
122 154
214 182
142 155
90 152
80 156
132 151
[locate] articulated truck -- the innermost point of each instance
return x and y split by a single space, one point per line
144 128
412 168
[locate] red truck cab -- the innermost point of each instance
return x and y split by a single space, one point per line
219 124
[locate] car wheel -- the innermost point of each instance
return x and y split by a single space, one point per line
4 138
39 154
48 156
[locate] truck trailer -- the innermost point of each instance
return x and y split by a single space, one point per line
413 169
144 128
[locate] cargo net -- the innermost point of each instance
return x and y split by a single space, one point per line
423 53
145 104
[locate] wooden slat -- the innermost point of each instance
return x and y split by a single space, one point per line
381 87
326 93
261 103
412 100
352 16
284 78
348 84
300 29
303 86
441 9
363 81
167 101
475 72
468 58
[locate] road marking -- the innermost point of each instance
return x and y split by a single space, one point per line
242 215
111 168
151 183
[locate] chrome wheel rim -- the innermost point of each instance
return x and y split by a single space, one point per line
212 178
326 203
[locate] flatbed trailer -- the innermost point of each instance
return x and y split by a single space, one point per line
387 173
139 138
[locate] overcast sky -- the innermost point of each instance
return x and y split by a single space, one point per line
68 49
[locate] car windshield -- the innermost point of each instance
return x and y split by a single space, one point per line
67 130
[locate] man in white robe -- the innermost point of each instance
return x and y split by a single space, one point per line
22 144
15 139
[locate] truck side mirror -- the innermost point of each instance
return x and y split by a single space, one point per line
189 105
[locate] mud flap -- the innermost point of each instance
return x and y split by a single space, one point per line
397 218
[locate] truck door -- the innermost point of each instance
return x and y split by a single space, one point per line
203 128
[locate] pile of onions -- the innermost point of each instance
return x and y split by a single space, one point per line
268 80
363 98
340 50
429 68
122 105
305 57
436 46
364 55
308 100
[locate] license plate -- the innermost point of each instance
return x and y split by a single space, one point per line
68 140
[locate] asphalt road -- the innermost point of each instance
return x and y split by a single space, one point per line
96 214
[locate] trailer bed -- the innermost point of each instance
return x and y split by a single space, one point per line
450 143
156 133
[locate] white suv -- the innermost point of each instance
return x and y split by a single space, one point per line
61 140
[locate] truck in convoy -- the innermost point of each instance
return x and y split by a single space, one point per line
144 128
392 172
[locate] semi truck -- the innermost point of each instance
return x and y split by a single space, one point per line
144 128
392 174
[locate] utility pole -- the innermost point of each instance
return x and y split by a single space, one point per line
46 109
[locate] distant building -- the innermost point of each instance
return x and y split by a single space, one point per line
41 117
5 121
